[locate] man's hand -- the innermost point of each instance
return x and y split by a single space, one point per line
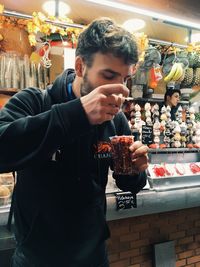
139 156
104 102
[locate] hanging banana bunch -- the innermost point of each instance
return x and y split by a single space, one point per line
176 73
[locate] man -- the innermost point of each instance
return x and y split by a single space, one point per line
172 98
51 139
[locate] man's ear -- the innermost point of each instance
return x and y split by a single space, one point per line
79 66
168 98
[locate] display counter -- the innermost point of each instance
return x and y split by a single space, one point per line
166 193
167 212
150 201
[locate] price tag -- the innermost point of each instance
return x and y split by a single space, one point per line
147 134
126 200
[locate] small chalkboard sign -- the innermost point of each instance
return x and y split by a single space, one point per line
147 134
126 200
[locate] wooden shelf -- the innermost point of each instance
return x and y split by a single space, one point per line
9 91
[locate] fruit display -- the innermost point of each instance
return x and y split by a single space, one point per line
147 108
187 81
196 77
173 169
172 65
176 73
136 120
184 132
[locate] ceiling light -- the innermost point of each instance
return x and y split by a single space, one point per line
146 12
133 25
50 8
195 38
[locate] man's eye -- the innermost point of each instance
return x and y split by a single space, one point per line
108 76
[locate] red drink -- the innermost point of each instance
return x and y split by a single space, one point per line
121 154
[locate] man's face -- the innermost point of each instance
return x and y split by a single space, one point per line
175 99
105 69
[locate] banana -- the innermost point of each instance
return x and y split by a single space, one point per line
172 72
178 73
182 77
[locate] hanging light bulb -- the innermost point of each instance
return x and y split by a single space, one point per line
56 8
133 25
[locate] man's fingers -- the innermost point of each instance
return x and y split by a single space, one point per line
115 100
109 89
104 102
111 109
141 163
138 149
140 168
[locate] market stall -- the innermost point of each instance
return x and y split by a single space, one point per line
173 186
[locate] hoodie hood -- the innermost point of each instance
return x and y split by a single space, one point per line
58 91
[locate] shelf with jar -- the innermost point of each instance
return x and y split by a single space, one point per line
6 179
6 189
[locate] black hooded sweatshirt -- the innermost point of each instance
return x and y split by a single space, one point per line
59 205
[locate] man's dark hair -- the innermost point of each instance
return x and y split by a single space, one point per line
104 36
170 92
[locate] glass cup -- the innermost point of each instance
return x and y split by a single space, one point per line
121 155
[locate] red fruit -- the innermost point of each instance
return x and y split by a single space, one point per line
42 50
194 168
162 128
154 146
190 146
196 146
159 171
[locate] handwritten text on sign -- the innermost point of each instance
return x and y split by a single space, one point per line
147 134
125 200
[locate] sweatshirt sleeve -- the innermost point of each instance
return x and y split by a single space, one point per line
29 135
131 183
